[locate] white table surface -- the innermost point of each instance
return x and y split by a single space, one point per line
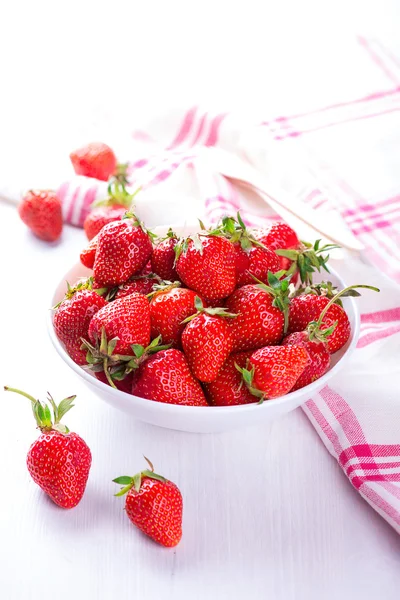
267 511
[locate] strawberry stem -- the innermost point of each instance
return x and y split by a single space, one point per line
342 293
42 413
10 389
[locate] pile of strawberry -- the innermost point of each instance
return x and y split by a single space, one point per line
211 319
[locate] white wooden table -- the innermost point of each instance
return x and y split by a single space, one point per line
267 511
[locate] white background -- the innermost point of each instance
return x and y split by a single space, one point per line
268 513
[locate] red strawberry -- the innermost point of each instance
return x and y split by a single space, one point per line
123 385
163 258
112 208
88 254
318 357
272 371
126 320
94 160
123 249
41 211
206 264
166 377
279 236
228 388
168 310
59 460
207 341
154 505
73 315
141 285
259 322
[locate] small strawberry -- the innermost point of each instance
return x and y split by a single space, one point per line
166 377
251 256
207 341
261 311
206 264
228 388
59 460
279 236
324 313
41 211
318 357
141 285
154 505
123 249
168 310
72 317
163 258
88 254
112 208
94 160
273 371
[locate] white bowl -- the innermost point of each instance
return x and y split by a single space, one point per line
204 419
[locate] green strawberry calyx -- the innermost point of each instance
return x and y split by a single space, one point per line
112 292
116 367
117 194
82 284
138 223
212 311
163 286
170 235
280 290
314 330
42 413
248 376
136 481
236 231
308 259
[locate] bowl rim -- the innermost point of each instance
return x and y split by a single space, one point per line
154 405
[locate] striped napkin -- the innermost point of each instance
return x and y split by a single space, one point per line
342 160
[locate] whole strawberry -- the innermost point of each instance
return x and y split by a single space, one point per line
112 208
72 317
154 505
261 314
163 258
166 377
318 357
168 310
207 341
228 388
279 236
206 264
58 461
94 160
123 249
273 371
88 254
41 211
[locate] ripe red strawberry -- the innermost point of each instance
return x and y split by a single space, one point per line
94 160
273 371
154 505
73 315
141 285
88 254
123 385
318 357
126 320
112 208
166 377
163 258
207 341
41 211
168 310
206 264
279 236
228 388
123 249
259 322
59 460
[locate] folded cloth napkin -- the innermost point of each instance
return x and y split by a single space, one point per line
340 160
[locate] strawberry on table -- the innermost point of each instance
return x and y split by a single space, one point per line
207 341
112 208
228 388
73 315
41 211
163 257
273 371
94 160
168 309
261 311
206 264
123 249
166 377
154 505
58 461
